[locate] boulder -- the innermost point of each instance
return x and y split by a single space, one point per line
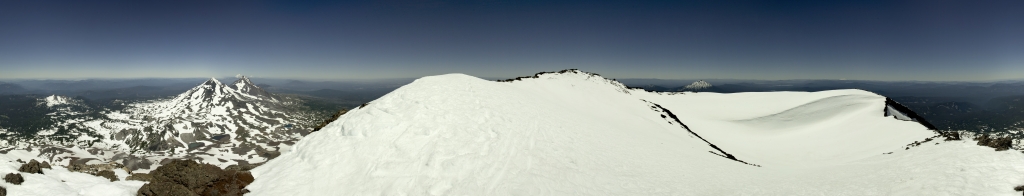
14 178
32 167
107 174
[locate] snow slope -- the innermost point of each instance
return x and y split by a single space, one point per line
60 182
575 133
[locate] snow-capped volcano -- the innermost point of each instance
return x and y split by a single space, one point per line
577 133
207 95
244 86
697 86
56 100
211 122
206 114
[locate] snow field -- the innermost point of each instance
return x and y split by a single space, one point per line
580 134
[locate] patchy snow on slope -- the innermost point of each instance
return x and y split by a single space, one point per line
580 134
61 182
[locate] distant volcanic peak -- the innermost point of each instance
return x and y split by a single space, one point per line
55 100
245 86
209 90
698 85
211 82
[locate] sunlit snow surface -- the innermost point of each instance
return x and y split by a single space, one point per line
59 181
580 134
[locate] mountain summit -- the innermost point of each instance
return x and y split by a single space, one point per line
699 85
576 133
244 86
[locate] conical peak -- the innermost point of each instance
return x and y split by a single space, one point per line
698 85
212 81
242 79
245 86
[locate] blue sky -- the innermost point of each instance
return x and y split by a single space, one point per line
773 40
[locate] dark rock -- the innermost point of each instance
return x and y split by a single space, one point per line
14 178
140 177
1019 188
951 135
196 179
162 188
332 119
1000 144
231 183
243 166
32 167
45 165
3 191
107 174
192 175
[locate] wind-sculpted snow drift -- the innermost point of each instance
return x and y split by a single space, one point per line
577 133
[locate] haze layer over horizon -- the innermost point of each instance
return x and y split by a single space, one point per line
334 40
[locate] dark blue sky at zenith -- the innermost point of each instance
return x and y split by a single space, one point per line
331 40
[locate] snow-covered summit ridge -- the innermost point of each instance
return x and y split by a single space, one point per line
698 85
570 75
574 134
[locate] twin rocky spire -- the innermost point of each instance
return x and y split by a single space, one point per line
214 88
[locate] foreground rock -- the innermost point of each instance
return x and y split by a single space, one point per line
13 178
1000 144
3 191
140 177
33 167
186 177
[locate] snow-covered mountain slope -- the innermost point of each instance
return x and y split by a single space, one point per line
576 133
58 181
210 113
697 86
212 122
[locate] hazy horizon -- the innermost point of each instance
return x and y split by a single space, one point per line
357 40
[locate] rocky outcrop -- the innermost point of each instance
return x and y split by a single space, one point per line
14 178
33 167
951 135
95 169
1000 144
140 177
186 177
107 174
165 188
329 120
241 166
